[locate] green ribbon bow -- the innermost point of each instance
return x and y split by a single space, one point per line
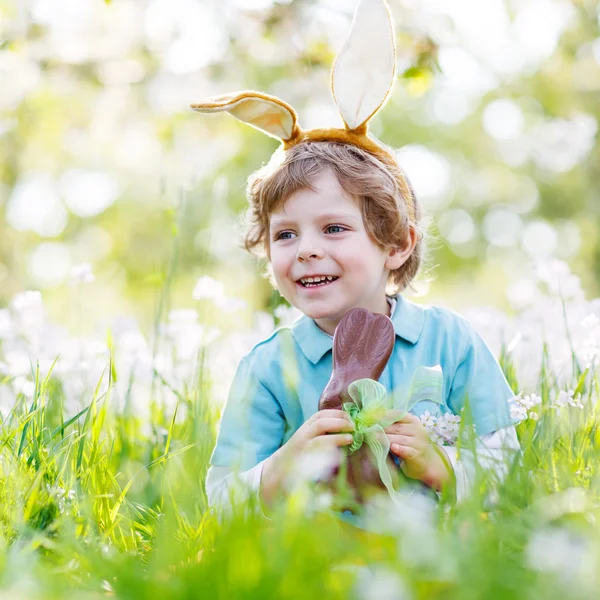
374 409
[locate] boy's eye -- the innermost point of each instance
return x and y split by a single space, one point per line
279 236
338 226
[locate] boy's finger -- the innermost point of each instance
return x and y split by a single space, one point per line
414 419
328 413
330 425
327 441
400 429
401 440
405 452
409 418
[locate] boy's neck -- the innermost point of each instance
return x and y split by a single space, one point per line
329 328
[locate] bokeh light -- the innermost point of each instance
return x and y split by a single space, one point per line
35 206
429 174
503 119
539 239
49 264
88 193
502 227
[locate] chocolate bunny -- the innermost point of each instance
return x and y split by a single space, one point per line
362 345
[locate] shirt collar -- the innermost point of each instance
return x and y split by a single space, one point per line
407 319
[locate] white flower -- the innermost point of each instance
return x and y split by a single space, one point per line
207 288
449 422
107 588
64 497
589 351
558 551
186 336
208 334
313 465
28 315
518 412
562 399
22 385
286 314
229 305
428 420
442 429
557 275
323 501
568 398
520 407
31 299
530 401
590 322
81 273
6 327
378 582
182 316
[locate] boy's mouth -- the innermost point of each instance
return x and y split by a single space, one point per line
315 282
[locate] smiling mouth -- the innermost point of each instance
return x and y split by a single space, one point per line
319 284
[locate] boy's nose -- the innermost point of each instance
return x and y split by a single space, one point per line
304 254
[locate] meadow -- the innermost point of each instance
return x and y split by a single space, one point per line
126 302
103 492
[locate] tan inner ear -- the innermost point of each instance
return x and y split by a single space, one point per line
266 113
364 71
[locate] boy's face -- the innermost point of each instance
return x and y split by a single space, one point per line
321 233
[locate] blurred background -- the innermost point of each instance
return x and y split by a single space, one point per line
494 115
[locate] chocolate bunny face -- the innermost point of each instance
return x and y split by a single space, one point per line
362 77
362 345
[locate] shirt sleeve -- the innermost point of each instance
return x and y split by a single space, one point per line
493 453
480 381
252 425
224 486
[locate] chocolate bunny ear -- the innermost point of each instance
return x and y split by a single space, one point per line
267 113
364 71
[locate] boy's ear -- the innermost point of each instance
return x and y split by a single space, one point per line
398 256
266 113
364 71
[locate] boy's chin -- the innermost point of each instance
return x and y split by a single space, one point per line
323 312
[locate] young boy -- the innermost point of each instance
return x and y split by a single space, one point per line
339 233
337 220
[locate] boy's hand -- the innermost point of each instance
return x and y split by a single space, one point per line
326 431
422 459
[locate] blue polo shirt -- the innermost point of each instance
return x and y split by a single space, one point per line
278 384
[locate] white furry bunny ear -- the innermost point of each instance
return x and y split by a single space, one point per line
267 113
364 71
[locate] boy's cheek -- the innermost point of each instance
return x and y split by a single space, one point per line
282 284
276 271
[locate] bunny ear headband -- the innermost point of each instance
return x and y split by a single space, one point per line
361 80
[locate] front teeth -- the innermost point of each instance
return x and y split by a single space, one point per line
316 279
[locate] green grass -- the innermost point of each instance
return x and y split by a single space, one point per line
103 504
